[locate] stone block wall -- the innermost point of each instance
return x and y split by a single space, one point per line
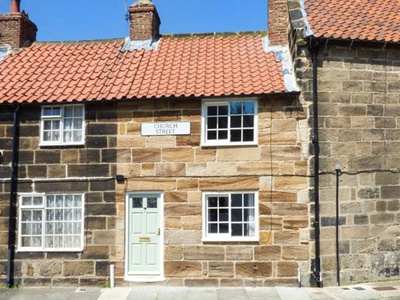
88 169
359 106
182 169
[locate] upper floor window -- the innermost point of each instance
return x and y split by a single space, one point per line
230 216
50 222
62 125
229 122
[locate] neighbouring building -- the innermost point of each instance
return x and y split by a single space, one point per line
347 60
181 160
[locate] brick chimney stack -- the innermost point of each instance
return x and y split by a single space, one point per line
16 30
278 22
144 21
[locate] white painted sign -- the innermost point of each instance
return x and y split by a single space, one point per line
166 128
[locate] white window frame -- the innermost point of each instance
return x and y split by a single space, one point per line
226 142
61 130
43 222
227 237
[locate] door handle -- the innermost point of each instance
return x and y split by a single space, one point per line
158 232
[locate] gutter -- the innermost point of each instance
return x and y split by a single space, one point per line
13 200
314 48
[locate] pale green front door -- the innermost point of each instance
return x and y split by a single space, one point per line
144 235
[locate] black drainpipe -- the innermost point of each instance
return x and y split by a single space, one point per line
13 200
317 270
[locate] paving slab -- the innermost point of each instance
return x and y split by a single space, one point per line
143 293
292 293
117 293
263 293
202 294
43 293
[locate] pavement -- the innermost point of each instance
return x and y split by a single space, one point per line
382 290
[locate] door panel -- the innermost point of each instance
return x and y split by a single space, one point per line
144 240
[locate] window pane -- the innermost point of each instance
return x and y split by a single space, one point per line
248 107
77 228
223 122
26 215
49 242
223 215
248 135
236 135
59 201
137 202
224 228
212 123
236 108
47 125
237 230
212 215
248 121
212 202
151 202
68 111
36 241
55 125
26 241
212 135
212 228
26 200
26 229
49 228
248 214
236 122
58 214
237 215
223 110
77 201
223 135
212 110
236 200
37 228
223 202
78 111
37 215
67 124
249 200
50 215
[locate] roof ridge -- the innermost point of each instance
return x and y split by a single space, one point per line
217 34
99 41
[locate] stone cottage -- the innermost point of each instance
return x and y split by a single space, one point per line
346 56
181 160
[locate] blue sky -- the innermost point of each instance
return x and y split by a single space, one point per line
101 19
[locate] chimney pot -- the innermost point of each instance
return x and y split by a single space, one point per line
15 6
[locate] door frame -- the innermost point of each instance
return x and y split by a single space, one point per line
142 278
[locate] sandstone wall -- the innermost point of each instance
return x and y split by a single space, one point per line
88 169
180 167
358 91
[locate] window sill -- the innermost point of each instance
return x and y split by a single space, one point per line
50 250
253 144
227 240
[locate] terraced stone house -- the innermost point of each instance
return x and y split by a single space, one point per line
180 160
346 55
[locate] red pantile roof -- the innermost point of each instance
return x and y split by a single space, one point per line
181 67
368 20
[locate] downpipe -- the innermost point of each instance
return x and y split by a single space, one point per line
315 141
13 200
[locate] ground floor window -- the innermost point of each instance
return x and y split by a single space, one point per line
50 222
230 216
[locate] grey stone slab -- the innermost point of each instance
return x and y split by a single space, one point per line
292 293
202 294
353 294
316 294
263 293
143 293
232 293
172 294
48 294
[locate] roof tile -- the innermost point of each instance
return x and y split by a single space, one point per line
183 66
369 20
